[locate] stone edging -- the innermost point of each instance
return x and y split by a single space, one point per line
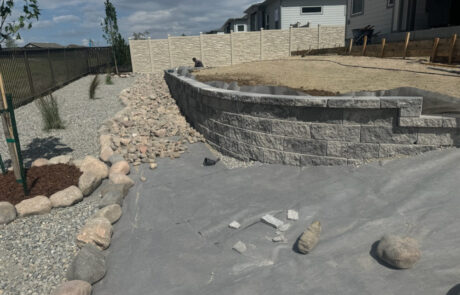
309 130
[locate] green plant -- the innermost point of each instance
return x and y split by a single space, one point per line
49 110
108 78
18 17
93 87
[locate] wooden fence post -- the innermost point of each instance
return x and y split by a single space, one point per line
364 45
435 49
452 47
382 53
261 43
350 46
29 74
406 45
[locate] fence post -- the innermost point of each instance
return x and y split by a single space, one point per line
319 36
261 43
364 45
406 44
51 68
201 47
452 47
88 60
382 53
435 49
169 50
290 41
150 54
231 47
350 46
29 74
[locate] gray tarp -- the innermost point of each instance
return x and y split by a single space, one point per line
173 237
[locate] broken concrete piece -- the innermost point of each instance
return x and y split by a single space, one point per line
240 247
284 227
234 225
280 238
292 215
273 221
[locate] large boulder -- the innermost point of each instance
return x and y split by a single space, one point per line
88 182
121 167
89 265
34 206
111 212
399 252
309 238
66 197
40 162
91 164
106 153
97 231
73 288
118 178
7 212
111 198
60 160
109 187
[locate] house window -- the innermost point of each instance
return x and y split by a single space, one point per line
240 28
390 3
357 7
312 10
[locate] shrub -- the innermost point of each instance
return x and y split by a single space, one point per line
49 110
93 86
108 78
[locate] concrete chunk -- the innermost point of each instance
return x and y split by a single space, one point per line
271 220
234 225
292 215
240 247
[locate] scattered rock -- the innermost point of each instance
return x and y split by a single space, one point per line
60 160
121 167
153 166
106 153
111 212
77 163
73 288
66 197
88 182
91 164
105 140
118 178
292 215
89 265
97 231
284 227
234 225
279 239
143 179
109 187
240 247
111 198
40 162
7 212
271 220
400 252
309 238
116 158
34 206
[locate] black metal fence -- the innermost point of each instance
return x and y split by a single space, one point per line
31 73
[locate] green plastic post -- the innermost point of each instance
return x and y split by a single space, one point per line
9 101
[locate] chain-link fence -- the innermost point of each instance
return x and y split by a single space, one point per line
30 73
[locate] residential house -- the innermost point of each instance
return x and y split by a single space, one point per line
282 14
235 25
43 45
392 16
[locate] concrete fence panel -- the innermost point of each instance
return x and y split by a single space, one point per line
217 50
275 44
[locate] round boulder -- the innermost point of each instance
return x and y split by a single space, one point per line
34 206
309 238
73 288
121 167
399 252
89 265
66 197
118 178
112 213
91 164
40 162
7 212
97 231
88 182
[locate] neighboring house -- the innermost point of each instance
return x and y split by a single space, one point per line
392 16
43 45
75 46
281 14
235 25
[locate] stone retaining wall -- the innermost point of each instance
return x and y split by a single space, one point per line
308 130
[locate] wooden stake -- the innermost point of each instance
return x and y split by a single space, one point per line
350 46
383 47
452 46
8 131
406 44
435 49
364 45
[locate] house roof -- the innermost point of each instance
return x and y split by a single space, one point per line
75 46
245 17
253 6
43 45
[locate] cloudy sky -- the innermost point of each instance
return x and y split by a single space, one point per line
77 21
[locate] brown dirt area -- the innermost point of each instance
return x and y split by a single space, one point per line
340 74
41 181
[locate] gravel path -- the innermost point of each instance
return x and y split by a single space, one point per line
36 251
82 117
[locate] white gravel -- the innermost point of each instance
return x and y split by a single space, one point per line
82 117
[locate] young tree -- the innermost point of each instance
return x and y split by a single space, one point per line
10 23
10 43
140 36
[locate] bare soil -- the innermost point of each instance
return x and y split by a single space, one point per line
41 181
328 75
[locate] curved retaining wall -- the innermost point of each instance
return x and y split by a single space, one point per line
307 130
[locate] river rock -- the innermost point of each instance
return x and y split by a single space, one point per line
116 158
309 238
73 288
88 182
121 167
40 162
111 212
7 212
400 252
60 160
108 187
97 231
34 206
91 164
106 153
66 197
118 178
89 265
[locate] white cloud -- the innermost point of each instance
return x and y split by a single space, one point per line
65 18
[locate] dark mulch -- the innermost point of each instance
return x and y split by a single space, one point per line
41 181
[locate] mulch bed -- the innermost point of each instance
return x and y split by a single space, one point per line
41 181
